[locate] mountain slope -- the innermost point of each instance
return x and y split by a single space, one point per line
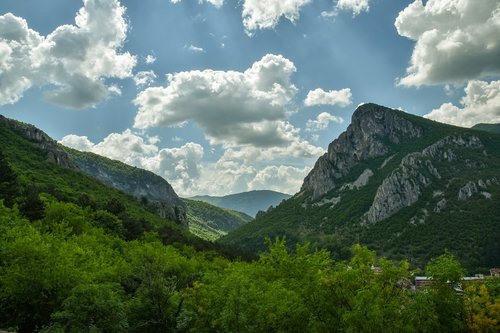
406 186
211 222
247 202
493 128
134 181
43 168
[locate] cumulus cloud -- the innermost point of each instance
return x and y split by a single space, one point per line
287 179
322 121
318 96
239 107
179 166
75 58
144 78
481 104
265 14
456 41
238 169
356 6
77 142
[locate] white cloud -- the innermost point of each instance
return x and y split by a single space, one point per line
356 6
144 78
216 3
318 96
239 168
455 40
481 104
322 121
77 142
77 59
179 166
265 14
237 107
150 59
281 178
195 49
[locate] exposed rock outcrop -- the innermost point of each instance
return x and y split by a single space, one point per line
134 181
42 141
405 185
372 128
360 182
467 191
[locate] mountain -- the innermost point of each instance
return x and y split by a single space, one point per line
494 128
124 200
134 181
403 185
247 202
212 222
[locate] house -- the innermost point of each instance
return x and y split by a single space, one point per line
495 272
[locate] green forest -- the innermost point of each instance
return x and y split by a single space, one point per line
78 267
63 273
77 256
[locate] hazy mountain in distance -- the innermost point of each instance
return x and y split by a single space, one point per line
247 202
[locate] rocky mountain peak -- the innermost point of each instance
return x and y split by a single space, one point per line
372 131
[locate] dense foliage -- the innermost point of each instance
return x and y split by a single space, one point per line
65 274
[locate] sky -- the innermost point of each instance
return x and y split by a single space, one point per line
221 96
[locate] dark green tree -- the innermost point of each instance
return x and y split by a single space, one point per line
31 206
8 182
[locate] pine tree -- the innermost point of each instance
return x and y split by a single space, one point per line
8 182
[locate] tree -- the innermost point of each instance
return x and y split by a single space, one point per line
92 308
446 273
31 206
8 182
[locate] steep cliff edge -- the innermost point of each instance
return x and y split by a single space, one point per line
405 186
372 130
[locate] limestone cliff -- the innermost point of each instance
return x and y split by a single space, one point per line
372 129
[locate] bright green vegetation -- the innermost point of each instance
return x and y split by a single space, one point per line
247 202
494 128
469 229
211 222
64 274
121 214
77 256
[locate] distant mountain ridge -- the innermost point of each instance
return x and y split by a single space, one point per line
406 186
493 128
247 202
211 222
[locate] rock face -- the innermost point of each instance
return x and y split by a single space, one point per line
405 185
42 141
134 181
366 137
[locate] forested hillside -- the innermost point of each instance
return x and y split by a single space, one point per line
78 256
403 185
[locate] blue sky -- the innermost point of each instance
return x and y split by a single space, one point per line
221 96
